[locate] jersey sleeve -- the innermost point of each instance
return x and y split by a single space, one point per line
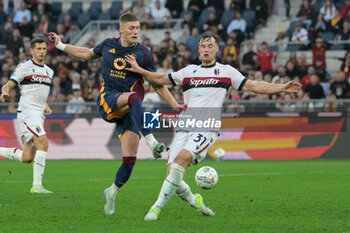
177 77
99 48
50 71
148 63
17 75
237 79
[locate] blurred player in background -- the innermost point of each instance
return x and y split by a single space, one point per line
122 92
204 87
33 78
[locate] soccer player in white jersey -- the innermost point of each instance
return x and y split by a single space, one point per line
33 78
203 86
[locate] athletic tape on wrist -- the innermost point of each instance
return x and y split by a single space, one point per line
60 46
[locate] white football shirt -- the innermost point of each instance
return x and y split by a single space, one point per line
204 87
34 82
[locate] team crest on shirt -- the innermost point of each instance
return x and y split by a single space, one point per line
133 54
119 63
38 129
217 71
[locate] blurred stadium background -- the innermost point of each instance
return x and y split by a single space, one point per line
309 45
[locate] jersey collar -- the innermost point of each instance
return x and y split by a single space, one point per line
209 65
120 42
37 64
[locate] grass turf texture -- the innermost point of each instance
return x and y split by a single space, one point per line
251 196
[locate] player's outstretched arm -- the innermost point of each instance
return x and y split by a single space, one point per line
270 88
79 52
5 90
153 77
163 92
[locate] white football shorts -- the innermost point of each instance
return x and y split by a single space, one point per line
31 126
198 143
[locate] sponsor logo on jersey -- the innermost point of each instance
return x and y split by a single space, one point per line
36 79
39 79
112 51
203 82
117 74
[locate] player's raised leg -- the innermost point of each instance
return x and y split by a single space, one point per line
127 101
11 153
26 155
130 142
156 147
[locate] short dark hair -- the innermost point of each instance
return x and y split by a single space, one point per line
127 17
207 36
36 41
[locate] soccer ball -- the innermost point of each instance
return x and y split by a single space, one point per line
206 177
219 153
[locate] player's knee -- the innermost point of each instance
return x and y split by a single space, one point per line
134 97
27 160
41 143
184 158
27 157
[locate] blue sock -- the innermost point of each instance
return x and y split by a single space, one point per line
124 171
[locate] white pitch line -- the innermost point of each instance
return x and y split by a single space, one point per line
154 177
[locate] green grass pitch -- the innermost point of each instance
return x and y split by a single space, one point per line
251 196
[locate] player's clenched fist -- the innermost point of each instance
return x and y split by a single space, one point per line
54 38
3 97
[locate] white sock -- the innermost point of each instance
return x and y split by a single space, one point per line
38 168
11 153
184 191
150 140
113 190
170 185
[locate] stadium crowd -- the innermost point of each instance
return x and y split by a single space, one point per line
78 81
